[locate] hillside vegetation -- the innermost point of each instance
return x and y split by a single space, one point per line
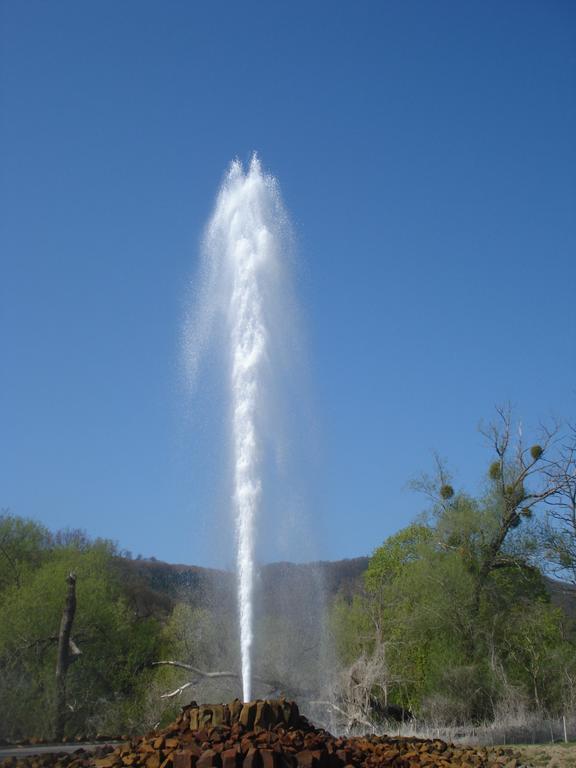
454 619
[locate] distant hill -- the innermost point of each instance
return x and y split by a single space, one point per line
153 586
563 595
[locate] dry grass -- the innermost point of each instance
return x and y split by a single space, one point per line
547 755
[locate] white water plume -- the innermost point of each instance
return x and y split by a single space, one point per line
242 302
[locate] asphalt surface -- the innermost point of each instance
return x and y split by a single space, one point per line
42 749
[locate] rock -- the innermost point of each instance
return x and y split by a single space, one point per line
252 759
153 761
171 743
266 734
306 759
105 762
209 759
264 717
247 715
186 759
231 758
235 708
270 758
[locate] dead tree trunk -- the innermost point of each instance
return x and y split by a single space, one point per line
64 656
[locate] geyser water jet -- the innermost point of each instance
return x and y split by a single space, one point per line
242 295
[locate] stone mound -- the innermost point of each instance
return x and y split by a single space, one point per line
268 734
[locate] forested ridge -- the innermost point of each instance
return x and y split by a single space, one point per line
466 615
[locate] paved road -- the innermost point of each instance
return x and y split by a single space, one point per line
42 749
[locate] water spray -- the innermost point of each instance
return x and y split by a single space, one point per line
242 261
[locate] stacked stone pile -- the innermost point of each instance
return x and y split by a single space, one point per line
268 734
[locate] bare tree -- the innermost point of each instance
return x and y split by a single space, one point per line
67 653
560 525
524 478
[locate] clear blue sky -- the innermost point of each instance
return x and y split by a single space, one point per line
427 154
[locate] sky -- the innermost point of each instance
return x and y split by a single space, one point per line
426 153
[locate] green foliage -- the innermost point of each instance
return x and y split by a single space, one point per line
453 619
495 471
417 597
536 452
514 494
351 627
534 650
114 645
446 491
397 552
464 528
23 546
447 655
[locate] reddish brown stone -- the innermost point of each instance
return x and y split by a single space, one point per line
171 743
264 717
209 759
153 761
334 761
253 759
268 742
247 715
186 759
231 758
287 760
269 758
306 759
235 708
345 755
321 757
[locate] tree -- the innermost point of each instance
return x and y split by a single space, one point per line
23 546
103 687
67 652
521 479
455 617
534 648
559 530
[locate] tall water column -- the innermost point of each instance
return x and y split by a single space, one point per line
241 300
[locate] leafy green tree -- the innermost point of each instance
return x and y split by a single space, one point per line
352 627
114 645
455 615
533 647
23 546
